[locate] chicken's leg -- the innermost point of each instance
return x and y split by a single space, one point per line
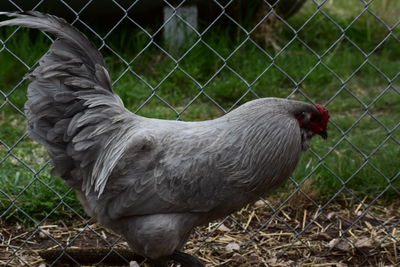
186 260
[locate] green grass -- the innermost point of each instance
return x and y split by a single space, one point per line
331 75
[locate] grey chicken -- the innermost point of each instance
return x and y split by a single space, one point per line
150 180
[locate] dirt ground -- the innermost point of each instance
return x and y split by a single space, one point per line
346 234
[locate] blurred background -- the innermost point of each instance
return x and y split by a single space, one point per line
197 60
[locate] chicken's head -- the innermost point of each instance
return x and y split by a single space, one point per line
315 122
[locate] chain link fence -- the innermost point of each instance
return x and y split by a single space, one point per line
338 209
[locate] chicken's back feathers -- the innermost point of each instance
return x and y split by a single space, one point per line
71 108
214 166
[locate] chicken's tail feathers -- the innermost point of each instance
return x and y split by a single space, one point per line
71 108
73 41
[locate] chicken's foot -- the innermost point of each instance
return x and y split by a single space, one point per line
159 263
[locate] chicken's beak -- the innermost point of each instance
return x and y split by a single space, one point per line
324 134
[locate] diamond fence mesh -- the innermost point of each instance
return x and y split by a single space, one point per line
194 60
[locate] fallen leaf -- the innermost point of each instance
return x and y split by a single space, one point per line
5 255
232 247
331 215
133 264
339 244
223 228
43 234
364 242
260 203
272 260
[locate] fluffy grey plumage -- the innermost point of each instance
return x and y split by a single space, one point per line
153 180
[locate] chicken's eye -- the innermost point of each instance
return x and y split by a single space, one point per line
306 117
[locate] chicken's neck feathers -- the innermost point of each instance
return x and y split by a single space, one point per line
268 150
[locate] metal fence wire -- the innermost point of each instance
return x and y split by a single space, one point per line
294 227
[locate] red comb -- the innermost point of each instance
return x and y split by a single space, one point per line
324 113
